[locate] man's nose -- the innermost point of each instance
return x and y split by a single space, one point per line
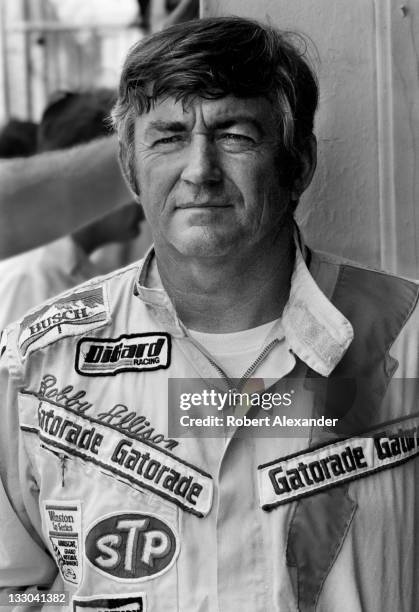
202 163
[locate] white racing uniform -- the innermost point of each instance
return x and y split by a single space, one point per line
101 499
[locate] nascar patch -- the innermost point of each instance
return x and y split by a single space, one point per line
72 314
138 462
131 546
62 521
127 353
133 602
305 473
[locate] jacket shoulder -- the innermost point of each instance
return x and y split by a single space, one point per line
324 258
369 284
72 313
382 307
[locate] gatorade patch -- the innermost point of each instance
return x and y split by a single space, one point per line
308 472
63 526
134 460
127 353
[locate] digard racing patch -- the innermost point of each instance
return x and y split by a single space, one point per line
127 353
122 455
131 546
75 313
308 472
133 602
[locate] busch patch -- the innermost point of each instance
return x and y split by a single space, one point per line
131 546
307 472
63 525
138 462
134 602
72 314
127 353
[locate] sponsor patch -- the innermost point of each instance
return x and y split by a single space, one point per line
63 525
78 312
118 417
131 546
134 602
127 353
138 462
307 472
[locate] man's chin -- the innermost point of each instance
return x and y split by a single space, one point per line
200 242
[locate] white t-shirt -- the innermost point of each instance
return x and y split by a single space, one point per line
236 352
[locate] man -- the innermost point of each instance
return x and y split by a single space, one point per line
28 279
215 126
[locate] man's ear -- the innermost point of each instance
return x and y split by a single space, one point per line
308 163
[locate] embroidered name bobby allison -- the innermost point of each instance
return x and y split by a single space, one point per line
284 480
118 416
133 352
140 463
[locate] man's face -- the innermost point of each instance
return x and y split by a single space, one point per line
208 175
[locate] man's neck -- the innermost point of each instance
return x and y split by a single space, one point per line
231 294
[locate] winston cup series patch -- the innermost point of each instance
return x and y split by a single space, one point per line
308 472
70 315
127 353
63 525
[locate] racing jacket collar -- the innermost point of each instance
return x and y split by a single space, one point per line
315 330
148 287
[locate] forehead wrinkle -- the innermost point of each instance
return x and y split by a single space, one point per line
205 114
160 125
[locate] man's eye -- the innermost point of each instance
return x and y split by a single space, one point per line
232 141
169 142
235 136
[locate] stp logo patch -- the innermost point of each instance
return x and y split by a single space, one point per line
131 546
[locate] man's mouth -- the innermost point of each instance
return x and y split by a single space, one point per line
200 205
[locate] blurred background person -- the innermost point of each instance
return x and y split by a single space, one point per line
33 277
47 195
71 45
18 139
